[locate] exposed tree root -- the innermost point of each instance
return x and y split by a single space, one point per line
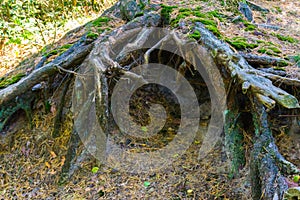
71 58
116 53
255 60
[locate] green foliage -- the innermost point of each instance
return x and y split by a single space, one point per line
144 129
23 20
296 178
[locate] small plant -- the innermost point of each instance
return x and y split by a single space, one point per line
95 170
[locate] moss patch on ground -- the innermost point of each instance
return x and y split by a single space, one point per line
271 50
285 38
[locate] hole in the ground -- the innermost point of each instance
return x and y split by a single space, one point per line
145 96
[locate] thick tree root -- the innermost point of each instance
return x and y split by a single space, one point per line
267 166
105 62
255 60
71 58
249 77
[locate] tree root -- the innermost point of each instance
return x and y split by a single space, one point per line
74 56
249 77
255 60
106 61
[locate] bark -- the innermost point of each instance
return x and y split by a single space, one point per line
255 88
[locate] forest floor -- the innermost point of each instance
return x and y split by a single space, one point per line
31 159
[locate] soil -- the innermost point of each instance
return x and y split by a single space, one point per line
31 159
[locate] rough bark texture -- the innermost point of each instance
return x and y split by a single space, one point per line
255 86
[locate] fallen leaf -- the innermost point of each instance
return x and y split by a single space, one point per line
53 154
146 183
47 164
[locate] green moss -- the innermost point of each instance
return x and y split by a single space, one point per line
198 8
139 14
92 35
185 10
283 63
262 50
184 14
272 44
175 21
249 26
296 59
199 14
214 30
260 41
285 38
52 52
11 80
66 46
274 49
278 9
59 50
205 21
216 14
100 21
234 141
101 30
240 43
280 68
142 4
165 13
196 35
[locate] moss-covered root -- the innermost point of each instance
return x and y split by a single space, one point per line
59 115
234 141
69 167
267 182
